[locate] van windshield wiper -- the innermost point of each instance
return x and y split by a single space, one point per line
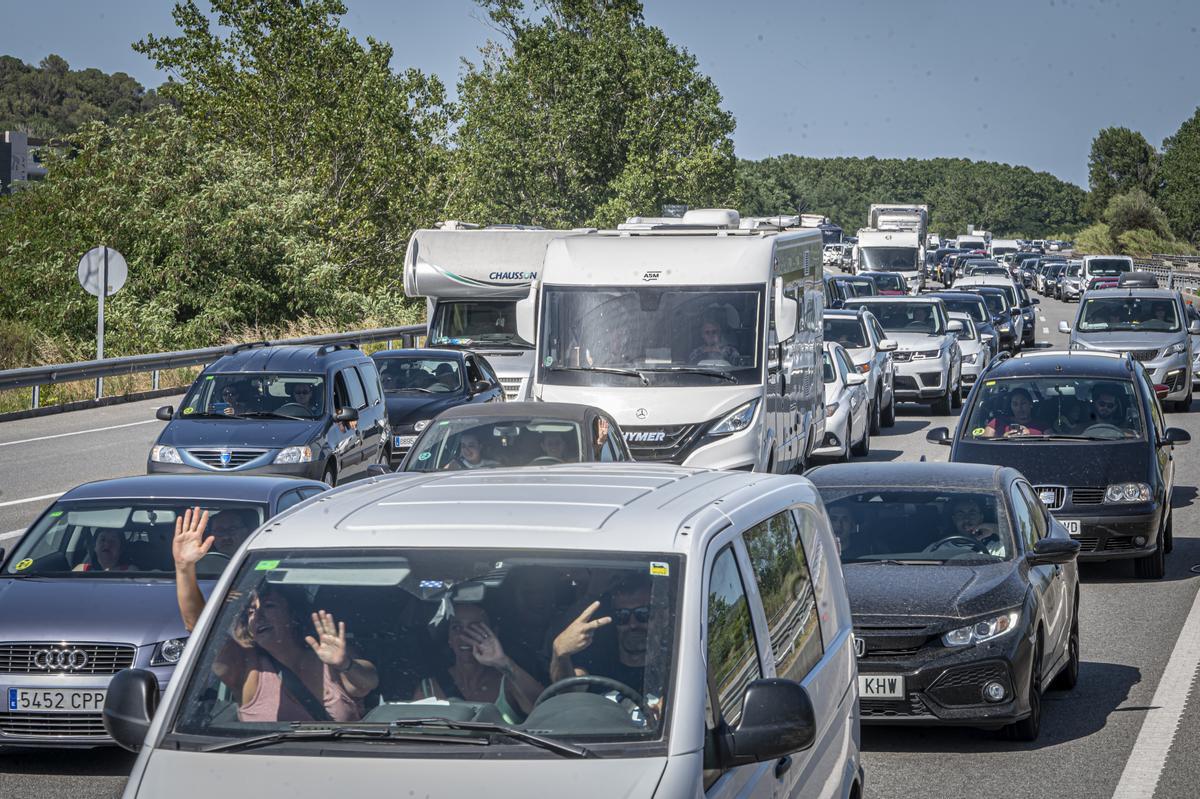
688 370
303 732
608 370
540 741
270 415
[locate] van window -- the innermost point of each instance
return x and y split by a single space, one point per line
732 651
785 585
354 388
370 380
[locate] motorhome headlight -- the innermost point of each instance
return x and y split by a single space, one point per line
736 420
983 630
1127 492
168 653
294 455
1177 348
161 453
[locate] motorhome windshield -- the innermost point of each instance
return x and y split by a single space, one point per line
467 322
890 259
662 335
1108 267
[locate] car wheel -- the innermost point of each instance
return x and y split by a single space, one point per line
844 455
889 416
941 406
956 397
1069 676
863 448
330 476
1154 565
1169 535
876 413
1029 728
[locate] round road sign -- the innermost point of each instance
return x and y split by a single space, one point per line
91 271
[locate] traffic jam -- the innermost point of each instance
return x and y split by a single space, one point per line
619 509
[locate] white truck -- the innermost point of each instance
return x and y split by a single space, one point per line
701 339
899 216
472 279
998 248
891 251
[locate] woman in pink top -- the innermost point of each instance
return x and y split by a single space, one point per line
277 673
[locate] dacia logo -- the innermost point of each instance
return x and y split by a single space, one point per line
645 436
653 274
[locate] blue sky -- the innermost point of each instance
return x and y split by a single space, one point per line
1016 81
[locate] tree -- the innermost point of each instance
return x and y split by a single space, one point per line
1121 160
586 115
1134 210
1180 195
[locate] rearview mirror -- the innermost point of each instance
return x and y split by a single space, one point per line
346 415
164 413
887 345
1175 435
377 470
1063 327
129 707
1053 550
777 720
938 435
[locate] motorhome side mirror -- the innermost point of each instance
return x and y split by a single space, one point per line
346 415
377 470
1064 327
526 311
1194 328
1171 436
164 413
954 326
1053 550
129 706
777 720
887 345
938 435
787 315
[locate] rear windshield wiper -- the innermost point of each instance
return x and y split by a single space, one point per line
608 370
559 747
686 370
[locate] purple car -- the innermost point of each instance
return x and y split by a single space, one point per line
89 590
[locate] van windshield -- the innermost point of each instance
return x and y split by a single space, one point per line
1108 267
262 395
391 644
468 322
888 259
661 335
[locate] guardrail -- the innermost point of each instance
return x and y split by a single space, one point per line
1172 272
39 376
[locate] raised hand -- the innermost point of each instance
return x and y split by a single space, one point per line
578 634
330 642
485 646
189 544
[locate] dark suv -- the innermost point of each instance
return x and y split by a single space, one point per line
1087 430
304 411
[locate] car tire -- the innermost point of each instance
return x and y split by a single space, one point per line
329 478
1067 679
862 448
844 455
889 416
1169 535
1154 565
876 414
941 406
1029 728
956 398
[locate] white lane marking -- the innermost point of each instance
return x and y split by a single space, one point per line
5 536
1149 756
30 499
1045 330
77 433
1041 319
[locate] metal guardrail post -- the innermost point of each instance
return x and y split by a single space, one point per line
37 397
99 387
155 379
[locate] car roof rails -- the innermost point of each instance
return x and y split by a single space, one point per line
248 345
325 349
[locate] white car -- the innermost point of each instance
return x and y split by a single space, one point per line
871 350
847 424
975 352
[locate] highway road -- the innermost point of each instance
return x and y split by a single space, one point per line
1126 731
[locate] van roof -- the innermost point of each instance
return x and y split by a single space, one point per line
303 359
618 507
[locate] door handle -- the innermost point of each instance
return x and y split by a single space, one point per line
782 765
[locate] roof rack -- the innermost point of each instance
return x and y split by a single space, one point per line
325 349
248 345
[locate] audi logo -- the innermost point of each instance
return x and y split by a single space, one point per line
60 659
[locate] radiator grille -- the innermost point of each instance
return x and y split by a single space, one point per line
101 658
237 457
51 725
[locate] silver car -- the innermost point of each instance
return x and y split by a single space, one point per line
1071 286
975 352
871 350
1150 324
847 425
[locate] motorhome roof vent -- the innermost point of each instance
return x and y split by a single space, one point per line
713 217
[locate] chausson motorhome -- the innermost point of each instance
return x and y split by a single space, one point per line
702 340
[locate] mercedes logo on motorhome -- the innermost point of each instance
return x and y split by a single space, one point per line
640 413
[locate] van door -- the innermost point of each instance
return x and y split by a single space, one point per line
344 438
372 416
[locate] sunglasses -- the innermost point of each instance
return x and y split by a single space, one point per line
623 615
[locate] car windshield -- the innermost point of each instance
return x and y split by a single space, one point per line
886 259
906 317
1036 408
850 333
474 443
972 306
1129 314
404 625
264 394
1108 267
995 302
889 282
407 374
659 335
468 322
864 287
942 527
127 538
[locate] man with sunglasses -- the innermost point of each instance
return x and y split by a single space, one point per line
304 394
1107 407
630 617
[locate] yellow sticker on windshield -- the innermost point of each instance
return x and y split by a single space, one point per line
990 383
187 411
978 431
25 564
266 565
658 569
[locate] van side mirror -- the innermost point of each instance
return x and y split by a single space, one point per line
938 435
1053 550
129 707
346 415
777 720
1175 435
1194 328
1035 301
887 345
480 386
787 315
164 413
1064 327
377 470
526 311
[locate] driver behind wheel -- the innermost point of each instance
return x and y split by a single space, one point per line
971 521
230 527
626 661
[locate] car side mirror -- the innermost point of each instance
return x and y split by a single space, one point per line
1035 301
1053 550
855 379
129 707
1064 327
480 386
939 435
1015 312
1175 435
164 413
377 470
887 345
954 327
346 415
1194 328
1162 391
777 720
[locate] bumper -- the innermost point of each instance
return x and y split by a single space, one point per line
917 381
312 471
740 451
1172 371
1112 536
970 373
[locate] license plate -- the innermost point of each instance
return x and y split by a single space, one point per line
881 686
55 700
405 441
1072 525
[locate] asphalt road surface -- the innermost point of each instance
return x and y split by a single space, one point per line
1126 731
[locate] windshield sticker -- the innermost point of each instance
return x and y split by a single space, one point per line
54 514
990 383
210 377
658 569
978 431
548 360
187 411
266 565
25 564
424 456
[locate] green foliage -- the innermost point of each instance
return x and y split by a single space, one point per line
1145 243
1135 210
997 197
1121 161
1180 195
51 99
586 115
1096 239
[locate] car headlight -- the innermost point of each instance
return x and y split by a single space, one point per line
970 357
921 355
831 409
295 455
1005 328
983 630
865 368
421 425
1127 492
168 653
1175 349
736 420
161 453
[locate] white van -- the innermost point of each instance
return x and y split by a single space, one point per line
702 340
1104 266
701 636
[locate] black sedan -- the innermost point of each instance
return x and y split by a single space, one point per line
418 384
1088 431
963 589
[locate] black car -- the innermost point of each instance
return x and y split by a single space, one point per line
974 306
300 411
839 288
963 590
1003 313
418 384
1088 431
517 434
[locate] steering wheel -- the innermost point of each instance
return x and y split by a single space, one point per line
212 564
545 460
596 681
293 408
1105 428
959 541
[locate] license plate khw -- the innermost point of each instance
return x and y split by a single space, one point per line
1072 525
55 700
881 686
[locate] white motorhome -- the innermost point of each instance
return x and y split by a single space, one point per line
899 216
971 241
891 251
471 279
701 339
1001 247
